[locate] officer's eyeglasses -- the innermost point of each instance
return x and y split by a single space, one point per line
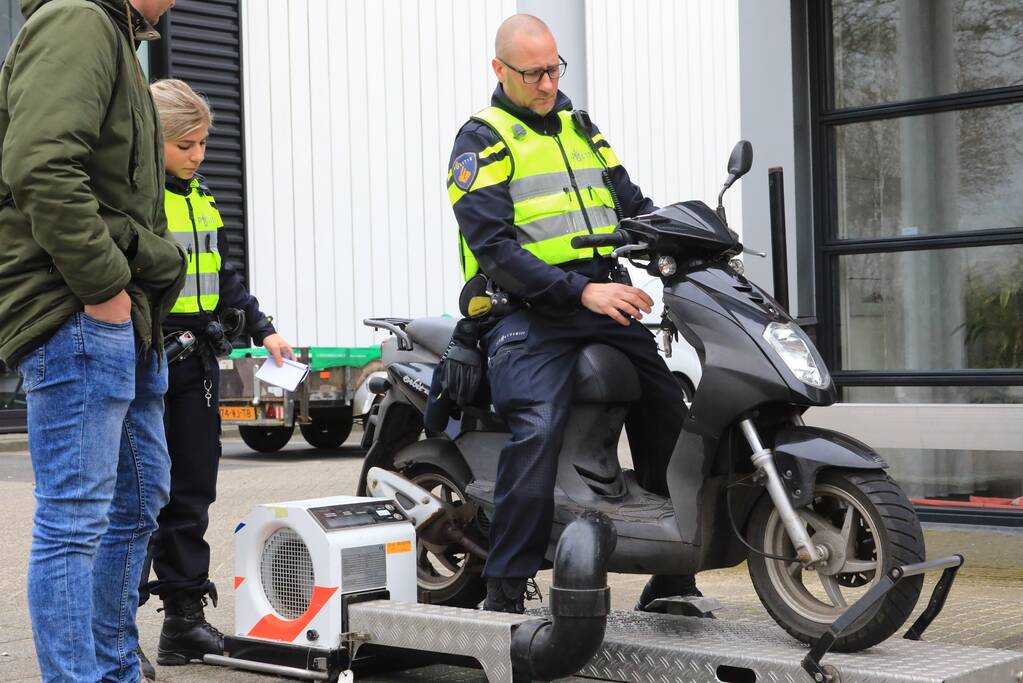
534 76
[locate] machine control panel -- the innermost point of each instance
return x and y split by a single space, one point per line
334 517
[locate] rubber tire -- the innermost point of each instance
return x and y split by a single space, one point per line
901 537
266 439
688 392
328 433
470 589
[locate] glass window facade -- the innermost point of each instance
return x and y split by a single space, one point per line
930 174
891 50
933 309
917 113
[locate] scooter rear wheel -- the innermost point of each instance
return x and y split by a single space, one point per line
448 575
868 526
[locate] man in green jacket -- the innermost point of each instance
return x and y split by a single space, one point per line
87 272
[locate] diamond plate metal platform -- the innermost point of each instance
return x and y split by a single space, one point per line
661 649
484 636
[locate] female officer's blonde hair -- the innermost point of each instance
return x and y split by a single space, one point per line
182 110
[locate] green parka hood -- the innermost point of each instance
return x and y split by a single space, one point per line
117 9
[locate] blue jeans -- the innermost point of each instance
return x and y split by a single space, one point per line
102 473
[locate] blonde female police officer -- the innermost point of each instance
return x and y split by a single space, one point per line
179 554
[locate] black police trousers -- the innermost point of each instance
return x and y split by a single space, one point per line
177 550
531 361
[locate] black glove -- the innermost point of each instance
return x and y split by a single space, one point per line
461 366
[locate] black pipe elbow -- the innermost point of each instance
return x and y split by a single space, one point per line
579 602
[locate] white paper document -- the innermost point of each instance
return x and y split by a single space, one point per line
288 376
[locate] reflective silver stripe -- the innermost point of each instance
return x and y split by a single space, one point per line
544 184
540 185
209 282
184 239
588 177
187 242
564 224
601 216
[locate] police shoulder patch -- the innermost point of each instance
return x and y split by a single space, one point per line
464 169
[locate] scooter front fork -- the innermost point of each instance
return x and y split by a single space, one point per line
807 551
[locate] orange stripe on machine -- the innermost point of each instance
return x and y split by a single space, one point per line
272 627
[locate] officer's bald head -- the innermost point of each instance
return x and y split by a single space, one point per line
525 43
519 29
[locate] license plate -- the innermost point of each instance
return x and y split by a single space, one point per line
237 413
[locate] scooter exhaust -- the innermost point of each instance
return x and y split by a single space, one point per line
580 601
435 520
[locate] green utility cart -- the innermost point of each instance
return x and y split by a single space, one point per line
322 406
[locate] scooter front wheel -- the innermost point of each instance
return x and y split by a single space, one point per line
868 526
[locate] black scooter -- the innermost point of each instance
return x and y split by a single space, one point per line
812 510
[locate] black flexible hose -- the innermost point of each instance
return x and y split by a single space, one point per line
579 603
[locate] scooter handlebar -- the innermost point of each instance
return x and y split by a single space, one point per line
607 239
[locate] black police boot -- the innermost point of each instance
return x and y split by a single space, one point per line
666 586
145 666
505 595
186 635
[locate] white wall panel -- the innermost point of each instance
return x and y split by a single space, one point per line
663 87
351 110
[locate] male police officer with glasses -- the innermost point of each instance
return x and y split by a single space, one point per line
524 180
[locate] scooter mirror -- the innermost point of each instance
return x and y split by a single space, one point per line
741 159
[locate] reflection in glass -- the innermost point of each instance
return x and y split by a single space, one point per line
892 50
931 174
965 476
942 309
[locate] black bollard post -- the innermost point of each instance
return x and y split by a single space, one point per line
779 252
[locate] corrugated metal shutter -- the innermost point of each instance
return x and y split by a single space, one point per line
202 46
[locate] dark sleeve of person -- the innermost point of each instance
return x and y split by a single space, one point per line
631 199
485 214
233 294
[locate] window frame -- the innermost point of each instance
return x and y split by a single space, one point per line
828 248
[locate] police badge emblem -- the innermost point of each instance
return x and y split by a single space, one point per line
464 170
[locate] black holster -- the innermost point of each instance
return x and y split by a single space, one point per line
458 377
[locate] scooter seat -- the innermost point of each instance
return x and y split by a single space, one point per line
603 374
433 333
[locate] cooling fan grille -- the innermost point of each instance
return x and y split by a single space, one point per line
286 571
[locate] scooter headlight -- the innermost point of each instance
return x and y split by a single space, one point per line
794 347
